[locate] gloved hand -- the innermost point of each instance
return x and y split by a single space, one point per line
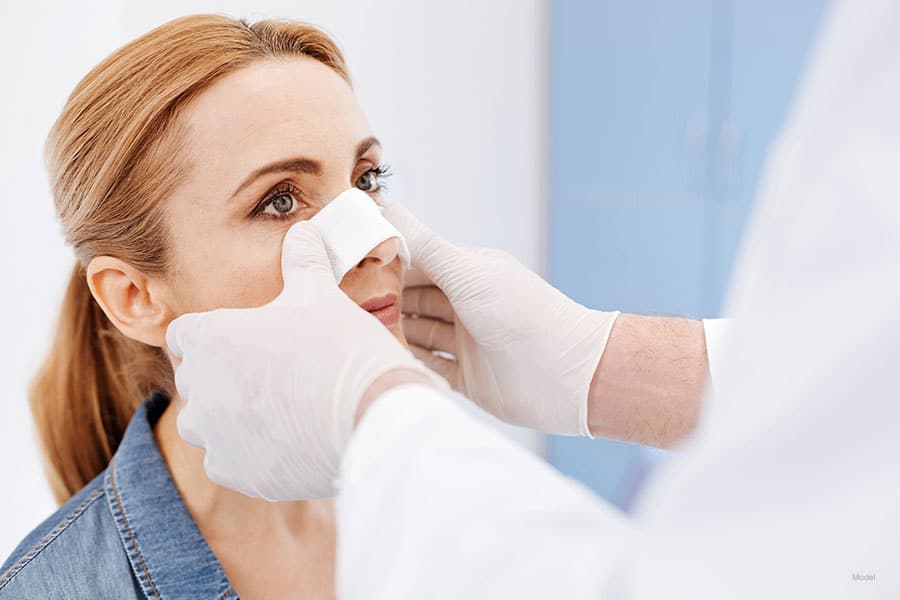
272 392
523 350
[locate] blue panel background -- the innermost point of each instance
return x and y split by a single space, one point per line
661 113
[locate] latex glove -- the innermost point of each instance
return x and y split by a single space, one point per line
521 349
272 391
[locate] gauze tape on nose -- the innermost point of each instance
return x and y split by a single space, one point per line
351 225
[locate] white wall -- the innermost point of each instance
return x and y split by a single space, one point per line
455 90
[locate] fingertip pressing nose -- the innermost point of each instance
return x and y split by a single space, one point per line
305 262
426 248
303 247
398 216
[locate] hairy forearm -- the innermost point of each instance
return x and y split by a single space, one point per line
649 383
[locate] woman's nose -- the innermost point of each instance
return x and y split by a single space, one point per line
382 254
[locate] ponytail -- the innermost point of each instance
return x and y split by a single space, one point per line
88 388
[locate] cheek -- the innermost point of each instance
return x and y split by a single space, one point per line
228 275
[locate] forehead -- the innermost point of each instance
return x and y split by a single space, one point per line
273 109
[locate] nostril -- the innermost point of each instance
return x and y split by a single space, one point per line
384 252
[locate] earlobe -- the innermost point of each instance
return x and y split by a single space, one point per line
129 299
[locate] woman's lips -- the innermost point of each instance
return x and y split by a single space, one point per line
384 308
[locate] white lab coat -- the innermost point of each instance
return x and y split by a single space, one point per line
790 485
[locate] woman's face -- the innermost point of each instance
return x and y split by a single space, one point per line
270 145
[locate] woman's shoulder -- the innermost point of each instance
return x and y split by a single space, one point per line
76 552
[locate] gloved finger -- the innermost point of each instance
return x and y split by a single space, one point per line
430 334
180 334
445 367
428 250
305 266
225 477
414 277
427 302
181 380
186 424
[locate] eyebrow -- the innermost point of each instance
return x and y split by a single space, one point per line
300 165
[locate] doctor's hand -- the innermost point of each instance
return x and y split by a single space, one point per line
521 349
272 393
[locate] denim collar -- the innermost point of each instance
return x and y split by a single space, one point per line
168 554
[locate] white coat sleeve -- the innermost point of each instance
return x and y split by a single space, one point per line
434 504
790 486
714 330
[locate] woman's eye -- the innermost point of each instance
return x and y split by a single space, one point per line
280 204
369 182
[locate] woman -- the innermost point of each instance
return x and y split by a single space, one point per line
177 166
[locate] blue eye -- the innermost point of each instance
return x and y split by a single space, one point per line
281 203
368 182
373 180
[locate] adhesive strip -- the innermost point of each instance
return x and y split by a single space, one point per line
351 226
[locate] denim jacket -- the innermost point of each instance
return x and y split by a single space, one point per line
127 534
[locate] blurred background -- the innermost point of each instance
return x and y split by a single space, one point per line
614 147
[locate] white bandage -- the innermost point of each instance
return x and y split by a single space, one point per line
351 225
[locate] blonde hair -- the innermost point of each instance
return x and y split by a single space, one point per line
112 156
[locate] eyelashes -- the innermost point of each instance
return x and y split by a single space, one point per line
382 172
372 181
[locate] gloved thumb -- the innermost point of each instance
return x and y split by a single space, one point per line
429 252
305 266
179 333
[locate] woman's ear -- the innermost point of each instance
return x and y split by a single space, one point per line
131 300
